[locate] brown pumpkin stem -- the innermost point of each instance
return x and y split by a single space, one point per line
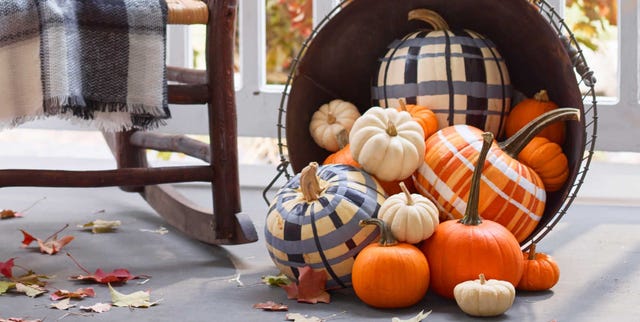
532 252
471 216
391 129
406 193
342 138
541 96
331 118
482 278
403 105
310 183
386 236
513 145
429 16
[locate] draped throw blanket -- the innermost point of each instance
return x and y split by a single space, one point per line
97 61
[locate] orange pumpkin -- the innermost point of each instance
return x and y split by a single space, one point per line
460 250
423 115
541 272
548 161
389 274
514 194
530 108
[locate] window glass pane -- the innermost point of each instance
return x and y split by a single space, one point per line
197 34
288 24
595 26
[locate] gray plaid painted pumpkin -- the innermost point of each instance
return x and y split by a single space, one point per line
324 232
459 75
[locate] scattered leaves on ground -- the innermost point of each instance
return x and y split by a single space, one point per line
51 245
421 316
30 290
77 294
97 308
6 268
276 280
116 276
297 317
135 299
62 305
310 287
271 306
160 231
99 226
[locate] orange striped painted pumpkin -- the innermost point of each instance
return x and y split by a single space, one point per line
512 194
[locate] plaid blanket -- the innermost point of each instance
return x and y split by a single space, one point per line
97 61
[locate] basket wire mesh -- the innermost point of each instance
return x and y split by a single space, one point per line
586 81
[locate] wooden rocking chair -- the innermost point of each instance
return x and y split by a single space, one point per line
213 87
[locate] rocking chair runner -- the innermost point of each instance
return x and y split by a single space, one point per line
214 87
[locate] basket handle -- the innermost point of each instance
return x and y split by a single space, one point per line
578 61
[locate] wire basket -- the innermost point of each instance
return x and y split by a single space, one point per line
339 59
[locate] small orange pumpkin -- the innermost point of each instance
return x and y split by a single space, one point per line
541 272
530 108
423 115
547 160
343 155
389 274
459 250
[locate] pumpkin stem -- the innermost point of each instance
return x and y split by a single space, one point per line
310 183
403 105
482 278
513 145
532 252
386 236
391 129
541 96
471 216
406 193
342 138
331 118
431 17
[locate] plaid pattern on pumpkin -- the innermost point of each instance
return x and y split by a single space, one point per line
324 234
460 75
510 193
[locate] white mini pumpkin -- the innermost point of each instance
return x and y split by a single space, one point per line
412 217
387 143
483 297
329 120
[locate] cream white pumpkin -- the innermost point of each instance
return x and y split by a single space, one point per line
387 143
329 120
411 217
484 297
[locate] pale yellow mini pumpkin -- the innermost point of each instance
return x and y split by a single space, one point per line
329 120
483 297
388 143
412 217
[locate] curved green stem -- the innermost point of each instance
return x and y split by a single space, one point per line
471 216
386 236
513 145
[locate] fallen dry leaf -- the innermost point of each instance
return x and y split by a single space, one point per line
51 245
119 275
160 231
18 320
6 286
421 316
30 290
271 306
297 317
97 308
276 280
310 287
135 299
78 294
6 268
31 278
62 305
101 226
8 214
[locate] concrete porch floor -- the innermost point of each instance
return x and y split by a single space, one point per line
596 244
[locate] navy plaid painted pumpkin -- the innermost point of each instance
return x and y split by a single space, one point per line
458 74
314 221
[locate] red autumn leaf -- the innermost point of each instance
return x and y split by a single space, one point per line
51 245
119 275
271 306
6 268
78 294
310 287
